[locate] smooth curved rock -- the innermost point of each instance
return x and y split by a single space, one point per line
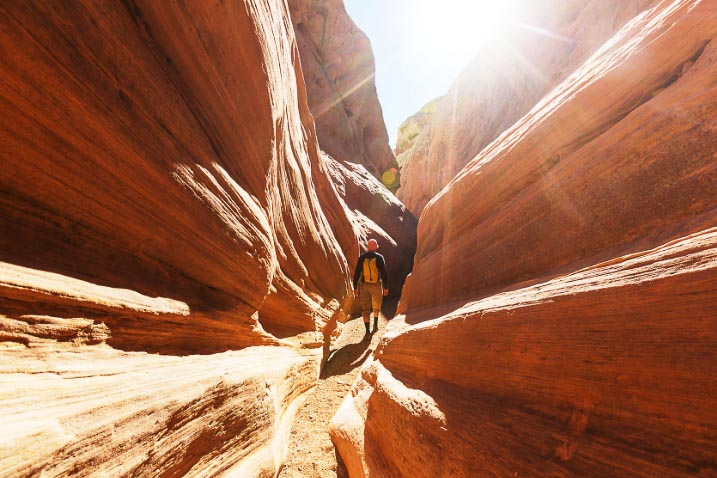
164 215
101 412
133 115
609 371
505 81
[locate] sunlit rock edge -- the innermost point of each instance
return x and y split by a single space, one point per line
508 76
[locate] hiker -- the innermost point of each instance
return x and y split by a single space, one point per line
371 271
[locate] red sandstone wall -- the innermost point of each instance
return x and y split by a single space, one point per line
610 371
126 117
618 158
562 299
339 71
161 197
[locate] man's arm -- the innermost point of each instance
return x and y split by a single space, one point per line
357 271
382 270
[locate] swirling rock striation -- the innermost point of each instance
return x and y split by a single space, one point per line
173 250
608 371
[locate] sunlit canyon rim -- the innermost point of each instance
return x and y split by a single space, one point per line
185 188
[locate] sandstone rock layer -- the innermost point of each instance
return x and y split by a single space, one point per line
123 109
165 216
560 317
339 70
103 412
609 371
618 158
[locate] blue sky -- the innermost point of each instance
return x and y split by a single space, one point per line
410 68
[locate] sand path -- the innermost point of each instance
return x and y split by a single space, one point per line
311 452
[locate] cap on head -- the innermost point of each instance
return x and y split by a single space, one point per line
372 244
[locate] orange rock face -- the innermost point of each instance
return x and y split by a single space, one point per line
609 371
162 198
227 160
618 158
504 81
559 320
339 71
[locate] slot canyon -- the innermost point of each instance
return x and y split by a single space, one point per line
185 188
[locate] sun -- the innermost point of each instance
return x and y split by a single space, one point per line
456 29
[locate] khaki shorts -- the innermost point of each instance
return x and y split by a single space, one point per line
371 297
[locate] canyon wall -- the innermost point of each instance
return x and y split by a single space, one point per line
173 247
560 318
338 67
339 71
504 81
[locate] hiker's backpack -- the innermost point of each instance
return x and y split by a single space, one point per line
370 271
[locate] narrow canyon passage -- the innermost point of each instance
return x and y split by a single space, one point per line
186 187
311 453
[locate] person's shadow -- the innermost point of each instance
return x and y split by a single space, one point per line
388 308
347 358
350 356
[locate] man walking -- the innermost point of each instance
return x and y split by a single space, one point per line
371 283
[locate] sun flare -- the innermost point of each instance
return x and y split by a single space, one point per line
457 28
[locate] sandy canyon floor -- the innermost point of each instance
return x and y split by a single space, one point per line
311 452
